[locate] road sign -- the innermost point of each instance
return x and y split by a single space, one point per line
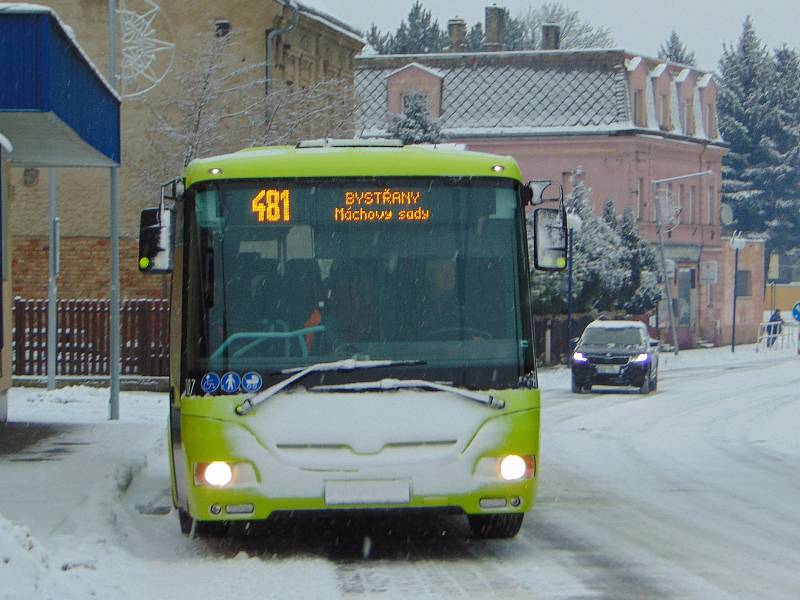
796 311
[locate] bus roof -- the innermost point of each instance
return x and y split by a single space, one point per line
352 161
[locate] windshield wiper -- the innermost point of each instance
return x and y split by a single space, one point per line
400 384
350 364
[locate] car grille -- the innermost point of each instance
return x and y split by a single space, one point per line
602 359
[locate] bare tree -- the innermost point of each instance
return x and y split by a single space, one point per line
221 103
575 32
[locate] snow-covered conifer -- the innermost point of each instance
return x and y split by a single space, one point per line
673 50
415 125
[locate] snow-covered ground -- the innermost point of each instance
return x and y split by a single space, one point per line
690 492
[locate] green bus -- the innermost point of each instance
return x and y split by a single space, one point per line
351 329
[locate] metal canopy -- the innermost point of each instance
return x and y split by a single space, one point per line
55 107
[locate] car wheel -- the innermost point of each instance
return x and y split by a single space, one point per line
654 383
495 526
576 389
645 388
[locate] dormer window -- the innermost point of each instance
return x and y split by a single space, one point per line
663 111
639 118
711 126
686 117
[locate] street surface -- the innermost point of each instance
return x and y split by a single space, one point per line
689 492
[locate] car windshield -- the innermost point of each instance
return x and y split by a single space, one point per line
289 273
613 336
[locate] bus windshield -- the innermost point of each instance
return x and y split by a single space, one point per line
286 273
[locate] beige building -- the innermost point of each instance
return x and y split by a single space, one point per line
316 47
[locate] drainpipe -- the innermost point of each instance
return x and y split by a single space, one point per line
276 32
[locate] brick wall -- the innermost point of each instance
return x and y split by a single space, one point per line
85 269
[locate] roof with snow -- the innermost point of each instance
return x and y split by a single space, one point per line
317 11
55 107
528 93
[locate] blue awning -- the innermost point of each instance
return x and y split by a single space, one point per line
55 107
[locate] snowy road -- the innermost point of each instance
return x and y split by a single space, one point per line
691 492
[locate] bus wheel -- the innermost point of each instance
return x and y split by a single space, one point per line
185 520
495 526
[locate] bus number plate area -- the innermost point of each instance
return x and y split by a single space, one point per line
389 491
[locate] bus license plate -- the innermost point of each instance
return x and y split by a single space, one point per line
389 491
608 369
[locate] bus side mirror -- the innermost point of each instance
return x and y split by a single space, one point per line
539 191
550 235
156 232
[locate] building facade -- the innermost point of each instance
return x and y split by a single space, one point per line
625 119
156 41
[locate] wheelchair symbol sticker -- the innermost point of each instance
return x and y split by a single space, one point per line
231 382
209 383
251 382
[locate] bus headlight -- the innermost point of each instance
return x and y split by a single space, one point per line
217 473
513 467
220 473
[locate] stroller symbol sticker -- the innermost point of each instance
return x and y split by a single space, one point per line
251 382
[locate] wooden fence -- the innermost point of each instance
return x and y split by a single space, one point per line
83 340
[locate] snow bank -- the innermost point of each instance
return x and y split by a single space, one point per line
83 404
28 571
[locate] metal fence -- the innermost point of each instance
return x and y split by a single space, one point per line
83 340
773 337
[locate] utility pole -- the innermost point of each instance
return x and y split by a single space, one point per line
659 231
113 309
737 243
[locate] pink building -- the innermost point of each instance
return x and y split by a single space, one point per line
626 119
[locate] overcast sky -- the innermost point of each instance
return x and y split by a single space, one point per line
636 25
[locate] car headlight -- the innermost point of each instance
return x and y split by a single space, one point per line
579 357
641 358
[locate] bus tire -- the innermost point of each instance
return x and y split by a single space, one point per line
185 520
495 526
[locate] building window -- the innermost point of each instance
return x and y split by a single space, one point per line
711 130
639 197
743 283
689 207
222 28
663 110
638 109
710 206
686 117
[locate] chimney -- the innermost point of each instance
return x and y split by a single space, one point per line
457 32
551 37
495 27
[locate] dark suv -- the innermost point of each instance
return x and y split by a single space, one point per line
615 353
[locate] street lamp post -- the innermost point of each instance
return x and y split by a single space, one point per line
574 224
737 243
660 233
